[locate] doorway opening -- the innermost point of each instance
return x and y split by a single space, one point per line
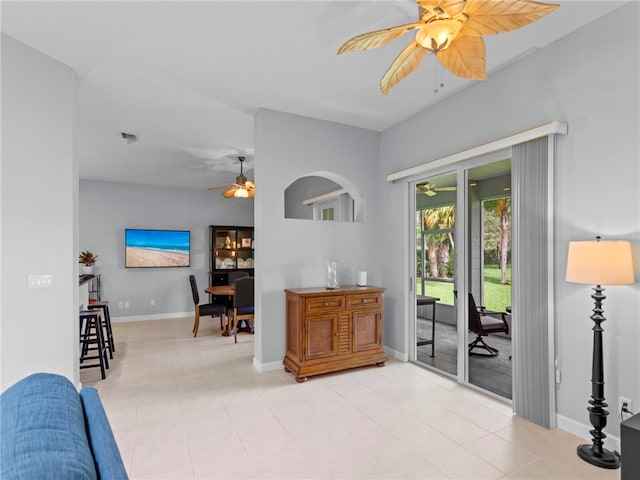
446 337
436 339
490 352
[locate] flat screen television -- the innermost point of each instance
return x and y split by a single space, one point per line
156 248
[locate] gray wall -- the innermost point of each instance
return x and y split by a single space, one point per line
107 208
292 253
39 186
581 81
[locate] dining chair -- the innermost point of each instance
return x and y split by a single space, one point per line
212 309
243 304
483 322
231 280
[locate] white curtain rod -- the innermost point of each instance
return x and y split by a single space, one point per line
524 136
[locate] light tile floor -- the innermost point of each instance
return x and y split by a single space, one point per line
185 408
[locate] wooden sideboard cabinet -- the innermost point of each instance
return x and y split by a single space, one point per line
331 330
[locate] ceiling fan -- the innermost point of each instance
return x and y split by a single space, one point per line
452 30
243 188
431 190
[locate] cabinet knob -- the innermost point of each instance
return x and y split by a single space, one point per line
355 331
326 304
337 334
364 300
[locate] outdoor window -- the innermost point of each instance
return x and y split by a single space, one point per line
496 224
436 252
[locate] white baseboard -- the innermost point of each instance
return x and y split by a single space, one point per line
267 367
582 430
403 357
158 316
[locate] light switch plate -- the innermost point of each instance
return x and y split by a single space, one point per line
40 281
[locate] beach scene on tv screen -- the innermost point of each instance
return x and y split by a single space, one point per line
157 248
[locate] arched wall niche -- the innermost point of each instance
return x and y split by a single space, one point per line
321 188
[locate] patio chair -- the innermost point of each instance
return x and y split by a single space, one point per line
483 322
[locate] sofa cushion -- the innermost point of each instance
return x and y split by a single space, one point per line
43 431
104 447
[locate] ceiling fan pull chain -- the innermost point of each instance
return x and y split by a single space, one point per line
439 72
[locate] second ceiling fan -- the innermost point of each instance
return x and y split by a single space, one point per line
243 188
430 190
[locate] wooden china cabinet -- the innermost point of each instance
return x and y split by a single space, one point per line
231 251
332 330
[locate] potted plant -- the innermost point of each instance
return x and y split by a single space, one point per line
87 259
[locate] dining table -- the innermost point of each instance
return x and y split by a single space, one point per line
227 290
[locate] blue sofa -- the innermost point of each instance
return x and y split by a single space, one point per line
50 431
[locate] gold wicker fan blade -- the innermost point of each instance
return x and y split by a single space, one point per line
376 39
229 193
403 65
488 17
220 187
465 58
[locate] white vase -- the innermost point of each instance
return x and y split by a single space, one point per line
87 269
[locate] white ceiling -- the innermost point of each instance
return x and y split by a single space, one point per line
188 77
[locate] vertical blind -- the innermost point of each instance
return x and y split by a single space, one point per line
532 187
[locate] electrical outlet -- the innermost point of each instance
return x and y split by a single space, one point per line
126 304
152 302
622 401
120 304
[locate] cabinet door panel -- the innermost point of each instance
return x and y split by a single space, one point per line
321 338
367 330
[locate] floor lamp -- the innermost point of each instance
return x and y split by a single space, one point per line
599 263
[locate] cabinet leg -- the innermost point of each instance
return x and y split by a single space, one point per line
301 379
380 364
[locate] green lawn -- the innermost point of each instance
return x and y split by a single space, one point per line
496 296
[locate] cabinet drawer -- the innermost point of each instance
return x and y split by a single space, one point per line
324 304
363 300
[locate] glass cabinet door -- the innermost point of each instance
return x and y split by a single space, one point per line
225 249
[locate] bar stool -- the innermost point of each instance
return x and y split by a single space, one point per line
92 339
108 336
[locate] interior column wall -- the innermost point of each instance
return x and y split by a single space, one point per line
39 190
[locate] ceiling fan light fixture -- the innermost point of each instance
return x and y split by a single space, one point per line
241 193
437 35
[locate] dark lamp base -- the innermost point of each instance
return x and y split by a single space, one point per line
606 460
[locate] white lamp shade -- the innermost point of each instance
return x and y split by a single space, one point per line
600 263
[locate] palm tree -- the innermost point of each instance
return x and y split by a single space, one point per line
439 245
431 223
503 210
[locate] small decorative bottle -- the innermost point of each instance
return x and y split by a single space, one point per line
332 274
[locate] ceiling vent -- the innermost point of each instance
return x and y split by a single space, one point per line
129 137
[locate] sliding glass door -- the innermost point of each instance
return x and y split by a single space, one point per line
436 331
463 255
488 277
503 210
